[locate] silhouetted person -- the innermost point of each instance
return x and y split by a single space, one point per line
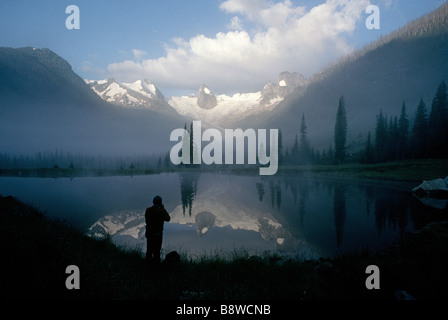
155 217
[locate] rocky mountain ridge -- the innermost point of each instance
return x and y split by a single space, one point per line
217 110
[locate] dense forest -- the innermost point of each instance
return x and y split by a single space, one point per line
396 139
424 135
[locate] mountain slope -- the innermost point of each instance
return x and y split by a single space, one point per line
30 73
45 106
408 65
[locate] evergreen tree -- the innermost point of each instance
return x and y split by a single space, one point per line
392 138
191 143
186 145
194 151
303 133
420 132
294 155
403 134
368 152
438 123
304 146
381 140
340 132
280 147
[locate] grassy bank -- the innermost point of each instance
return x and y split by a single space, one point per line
36 252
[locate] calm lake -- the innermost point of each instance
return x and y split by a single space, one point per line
218 213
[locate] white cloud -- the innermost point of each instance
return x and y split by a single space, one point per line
248 8
267 14
284 38
139 54
235 24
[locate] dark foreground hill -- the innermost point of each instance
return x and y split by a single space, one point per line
36 252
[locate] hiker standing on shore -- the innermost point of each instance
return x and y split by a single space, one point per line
155 217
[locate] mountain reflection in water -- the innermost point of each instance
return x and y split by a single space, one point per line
290 214
213 212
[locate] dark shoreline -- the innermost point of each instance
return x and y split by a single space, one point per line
410 171
37 250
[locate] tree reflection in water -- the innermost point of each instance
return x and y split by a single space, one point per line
188 189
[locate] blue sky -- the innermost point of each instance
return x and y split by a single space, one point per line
231 45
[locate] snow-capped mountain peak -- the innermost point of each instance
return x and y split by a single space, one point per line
219 111
141 94
135 94
146 88
206 99
224 111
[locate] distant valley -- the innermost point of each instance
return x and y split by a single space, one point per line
45 106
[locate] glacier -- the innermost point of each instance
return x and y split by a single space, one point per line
219 111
